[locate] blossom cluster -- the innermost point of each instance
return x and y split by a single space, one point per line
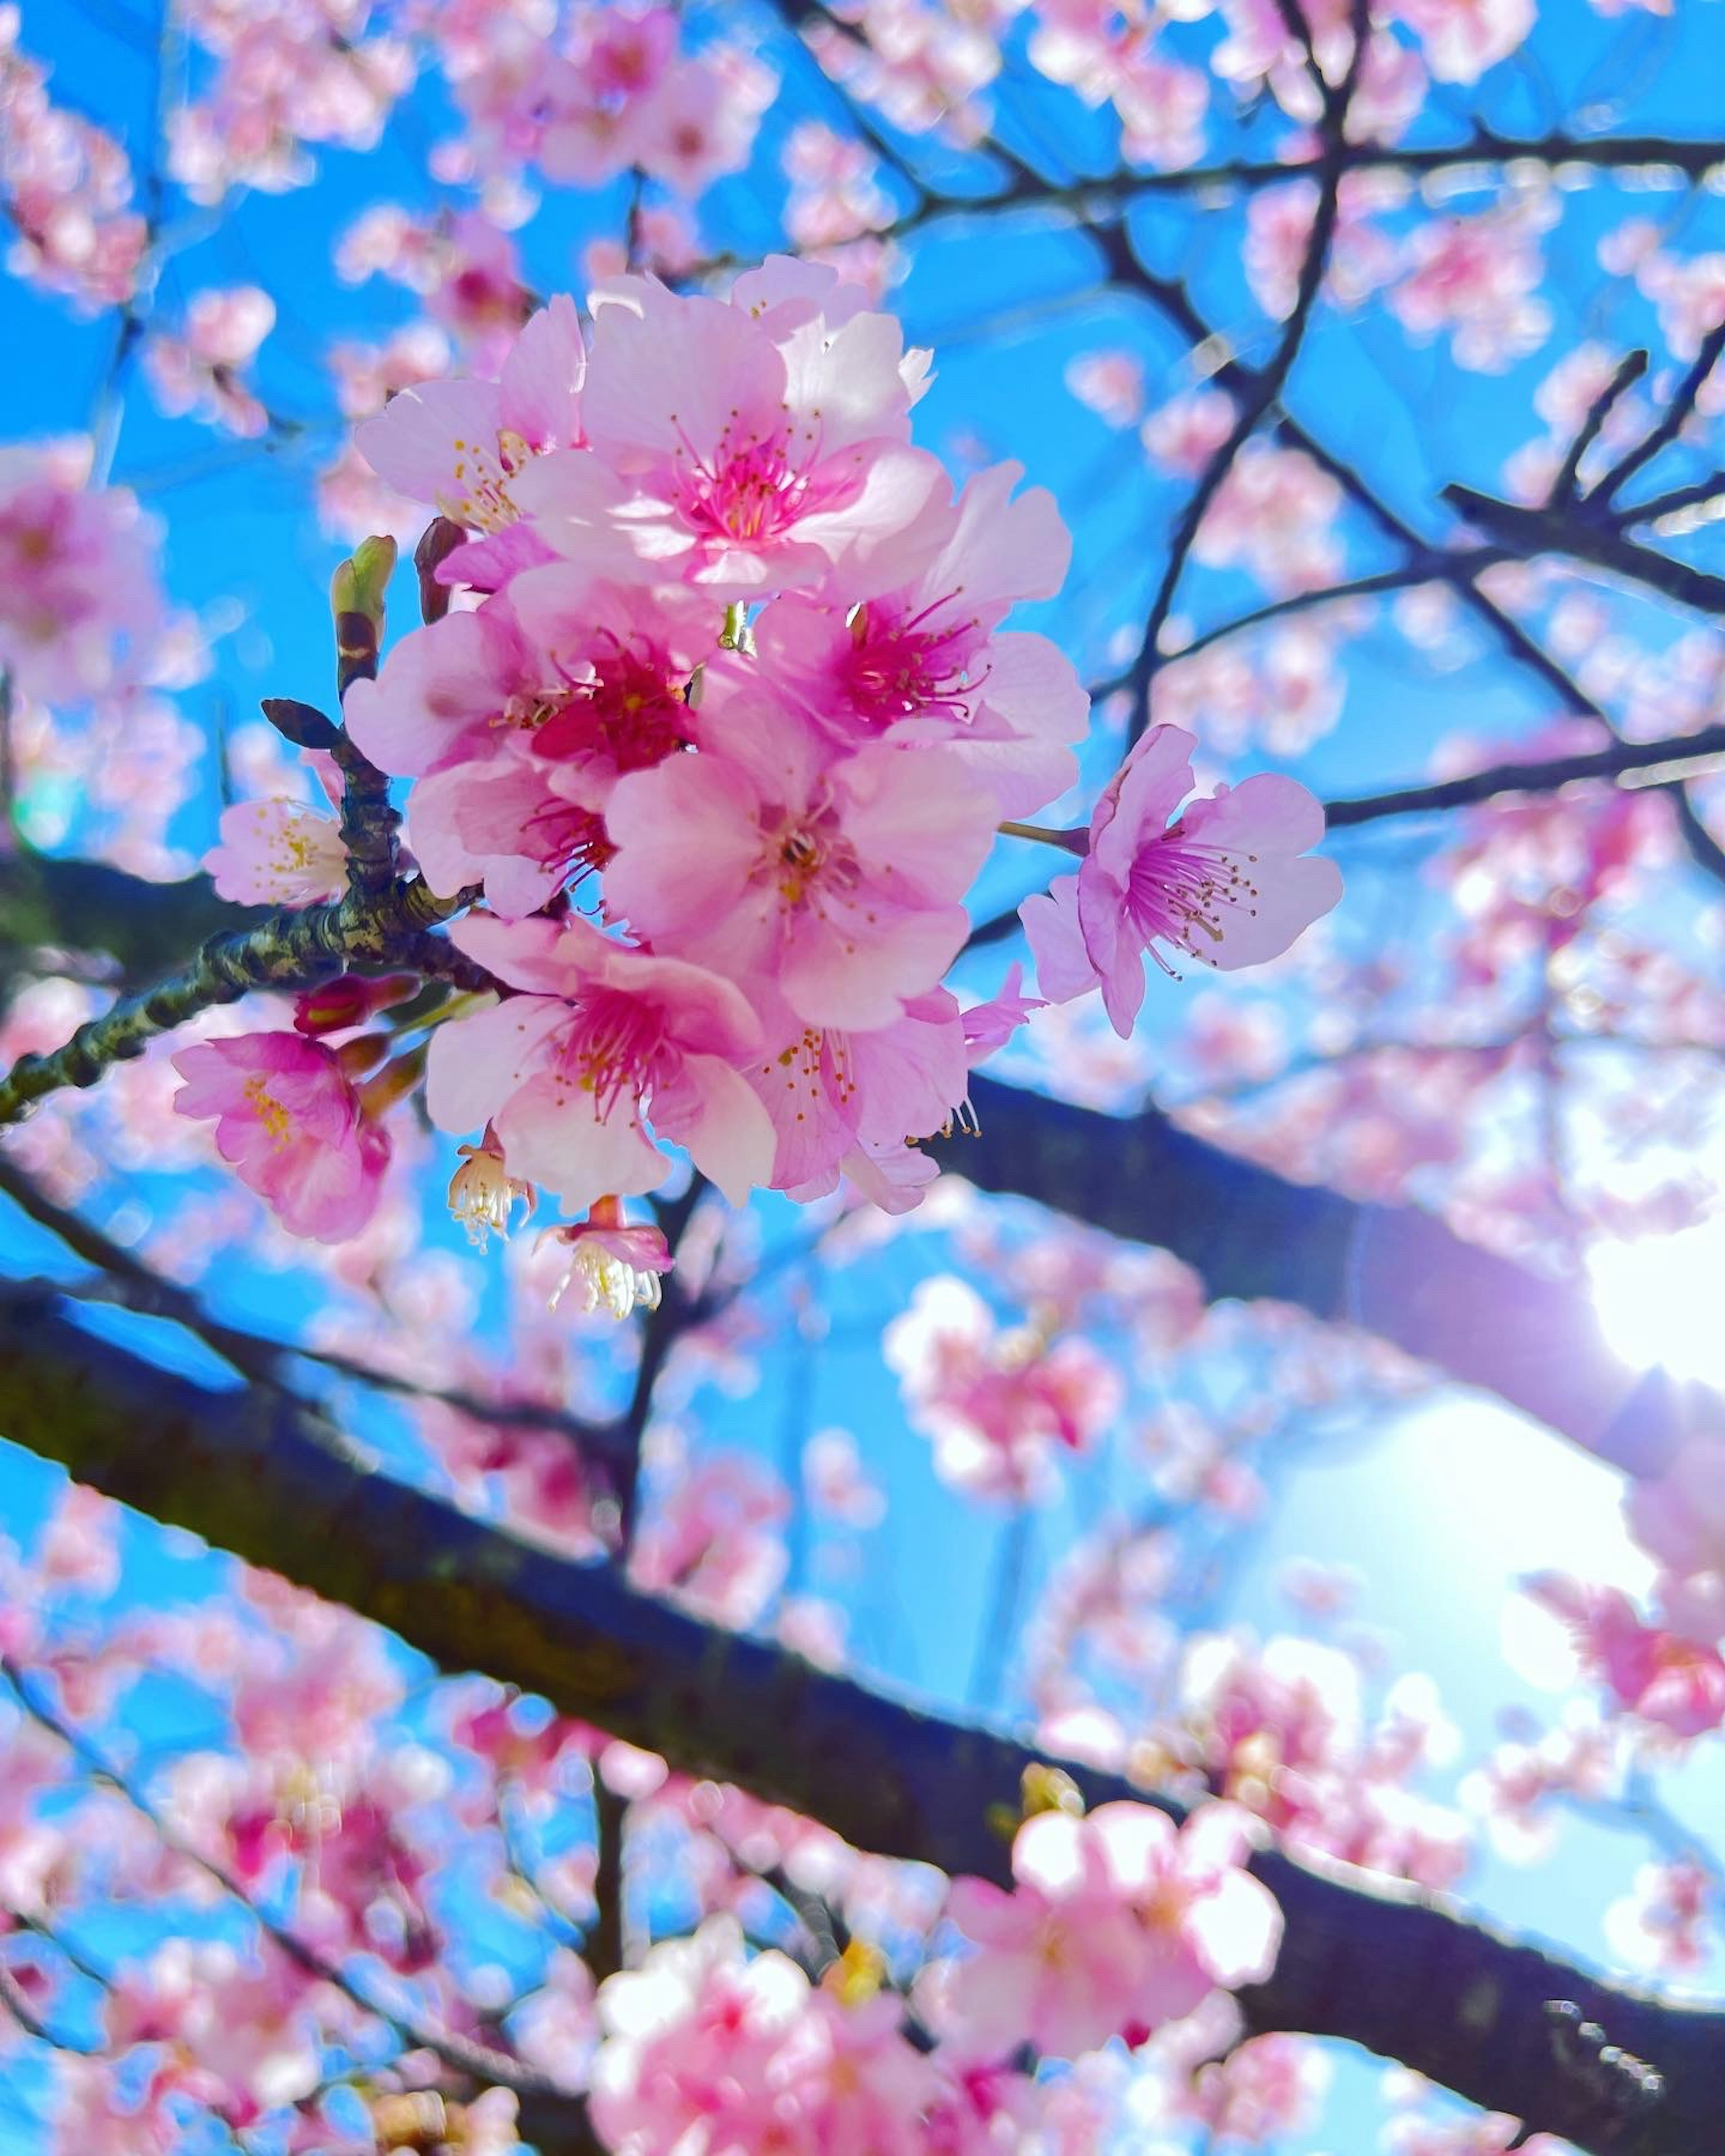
66 187
1117 1924
727 672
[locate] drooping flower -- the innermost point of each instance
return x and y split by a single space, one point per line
1229 882
483 1193
603 1037
612 1265
290 1123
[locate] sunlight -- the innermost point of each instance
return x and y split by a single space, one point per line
1658 1299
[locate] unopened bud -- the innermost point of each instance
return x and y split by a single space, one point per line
393 1082
302 724
358 593
416 2119
437 542
1046 1789
363 1052
348 1000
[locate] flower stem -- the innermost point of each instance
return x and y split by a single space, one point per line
1069 842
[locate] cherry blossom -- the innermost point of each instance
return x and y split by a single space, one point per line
773 856
603 1035
999 1405
68 189
278 853
927 662
80 610
1116 1923
1228 882
615 1264
461 445
290 1124
779 457
202 369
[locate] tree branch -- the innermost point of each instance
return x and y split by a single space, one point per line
1393 1270
360 933
1469 2007
480 2062
1640 762
1533 531
50 902
1266 382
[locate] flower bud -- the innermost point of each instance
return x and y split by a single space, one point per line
348 1000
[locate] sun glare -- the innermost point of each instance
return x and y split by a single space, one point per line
1659 1301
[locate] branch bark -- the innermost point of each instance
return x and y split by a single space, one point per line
1374 1963
361 932
1391 1269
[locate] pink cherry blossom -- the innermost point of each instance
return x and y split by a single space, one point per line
999 1405
1111 383
1479 278
80 610
67 186
1264 2089
777 859
767 463
1273 516
1461 38
834 194
1657 1675
834 1094
928 661
603 1036
1183 434
1667 1924
278 853
202 369
714 1537
690 2039
290 1123
462 445
519 718
1117 1922
1229 882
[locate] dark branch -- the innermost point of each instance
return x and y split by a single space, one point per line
1266 382
1396 1271
1671 420
1469 2008
360 933
1630 370
1533 531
